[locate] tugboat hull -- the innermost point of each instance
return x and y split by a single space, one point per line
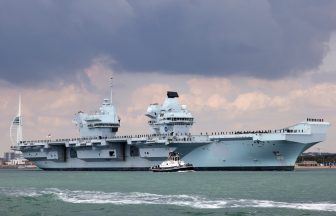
173 169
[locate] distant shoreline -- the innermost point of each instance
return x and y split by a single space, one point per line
8 167
314 167
17 167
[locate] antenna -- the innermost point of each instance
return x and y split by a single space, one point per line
19 112
111 85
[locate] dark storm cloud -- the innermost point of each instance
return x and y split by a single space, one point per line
41 40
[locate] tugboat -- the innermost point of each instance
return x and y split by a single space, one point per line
172 164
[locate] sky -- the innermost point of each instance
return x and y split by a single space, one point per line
237 65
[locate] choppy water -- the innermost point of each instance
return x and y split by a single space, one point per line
305 192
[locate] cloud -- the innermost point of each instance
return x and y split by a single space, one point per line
56 40
217 103
251 101
321 96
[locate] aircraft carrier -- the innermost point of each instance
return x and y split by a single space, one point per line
98 146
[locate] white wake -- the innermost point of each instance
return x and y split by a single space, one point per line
134 198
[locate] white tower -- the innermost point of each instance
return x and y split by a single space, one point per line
15 131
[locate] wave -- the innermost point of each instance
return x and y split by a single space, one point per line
134 198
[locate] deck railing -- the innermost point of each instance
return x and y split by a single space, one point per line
175 136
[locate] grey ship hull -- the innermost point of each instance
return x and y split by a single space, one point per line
257 151
232 155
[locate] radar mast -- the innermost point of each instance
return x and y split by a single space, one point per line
111 85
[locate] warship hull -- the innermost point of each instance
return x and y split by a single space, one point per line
256 151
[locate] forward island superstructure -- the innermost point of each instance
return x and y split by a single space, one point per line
100 148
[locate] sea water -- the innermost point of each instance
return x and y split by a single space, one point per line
302 192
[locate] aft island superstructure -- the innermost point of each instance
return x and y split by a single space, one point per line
100 148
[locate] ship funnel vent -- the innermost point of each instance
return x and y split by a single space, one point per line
171 94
